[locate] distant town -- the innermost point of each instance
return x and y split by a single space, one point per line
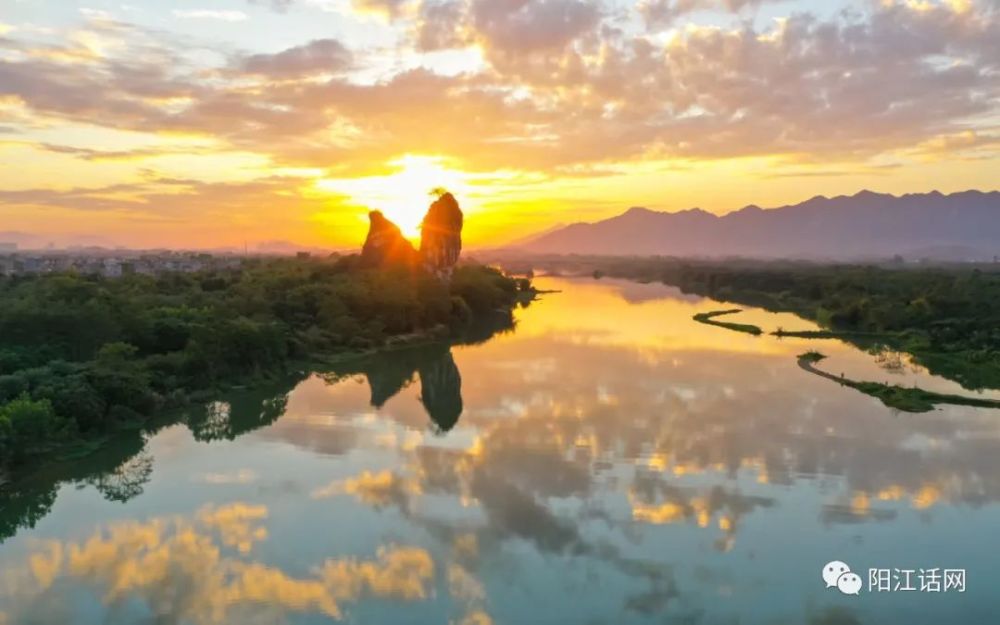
112 263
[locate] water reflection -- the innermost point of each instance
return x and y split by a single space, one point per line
199 570
118 471
390 372
688 473
121 468
441 391
236 415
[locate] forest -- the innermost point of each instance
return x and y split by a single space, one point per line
82 357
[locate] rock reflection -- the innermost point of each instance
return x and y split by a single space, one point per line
390 372
441 391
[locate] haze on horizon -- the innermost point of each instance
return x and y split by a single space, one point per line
211 123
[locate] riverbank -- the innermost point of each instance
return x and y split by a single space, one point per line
901 398
709 319
835 335
947 317
897 397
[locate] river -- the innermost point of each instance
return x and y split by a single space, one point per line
609 460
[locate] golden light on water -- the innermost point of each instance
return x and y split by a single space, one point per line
403 196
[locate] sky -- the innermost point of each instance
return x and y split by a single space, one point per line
214 123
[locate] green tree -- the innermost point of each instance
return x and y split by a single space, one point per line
26 424
123 381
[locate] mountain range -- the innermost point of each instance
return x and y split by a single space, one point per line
961 226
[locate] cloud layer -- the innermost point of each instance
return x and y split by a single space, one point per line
562 82
553 85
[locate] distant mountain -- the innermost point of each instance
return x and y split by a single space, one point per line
534 236
960 226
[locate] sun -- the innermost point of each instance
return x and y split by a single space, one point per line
402 196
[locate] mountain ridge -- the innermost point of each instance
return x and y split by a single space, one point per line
864 225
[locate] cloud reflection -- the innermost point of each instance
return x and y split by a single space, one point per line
628 449
181 571
678 419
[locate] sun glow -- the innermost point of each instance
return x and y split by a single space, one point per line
404 195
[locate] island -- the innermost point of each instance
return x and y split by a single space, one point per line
86 356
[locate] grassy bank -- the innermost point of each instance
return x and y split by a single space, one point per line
899 397
709 318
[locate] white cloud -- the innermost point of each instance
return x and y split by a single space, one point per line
556 84
95 14
226 16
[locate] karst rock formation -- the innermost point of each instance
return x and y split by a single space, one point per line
386 244
441 236
440 239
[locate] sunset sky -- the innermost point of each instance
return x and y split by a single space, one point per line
207 123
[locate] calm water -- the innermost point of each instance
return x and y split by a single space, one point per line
610 461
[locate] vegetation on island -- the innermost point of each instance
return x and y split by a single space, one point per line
83 357
832 334
709 319
812 357
894 396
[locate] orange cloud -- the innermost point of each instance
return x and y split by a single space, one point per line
595 106
179 569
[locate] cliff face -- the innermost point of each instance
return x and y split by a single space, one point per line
440 239
441 236
386 244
